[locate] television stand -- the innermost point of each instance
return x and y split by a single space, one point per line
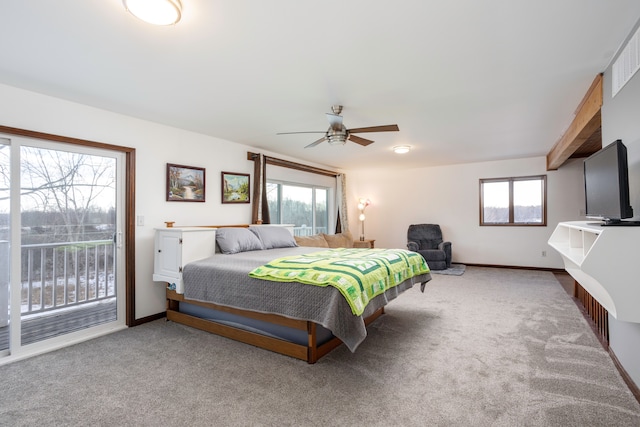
619 224
603 260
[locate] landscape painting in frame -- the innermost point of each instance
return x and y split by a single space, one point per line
185 183
235 187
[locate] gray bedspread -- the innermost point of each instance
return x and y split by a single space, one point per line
224 280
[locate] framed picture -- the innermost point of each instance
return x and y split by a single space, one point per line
185 183
235 187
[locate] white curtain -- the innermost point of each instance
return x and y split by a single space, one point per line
341 202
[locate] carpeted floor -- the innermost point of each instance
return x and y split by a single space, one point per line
494 347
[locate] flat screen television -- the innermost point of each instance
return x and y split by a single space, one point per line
606 185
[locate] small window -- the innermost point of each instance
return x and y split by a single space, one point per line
514 201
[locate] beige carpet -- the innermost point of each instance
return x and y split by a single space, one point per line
493 347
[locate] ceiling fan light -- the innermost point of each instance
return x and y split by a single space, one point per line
156 12
336 139
401 149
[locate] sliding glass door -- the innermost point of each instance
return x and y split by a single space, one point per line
5 181
61 244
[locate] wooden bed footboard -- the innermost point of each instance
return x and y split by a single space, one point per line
311 352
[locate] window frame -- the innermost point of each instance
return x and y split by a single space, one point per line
511 181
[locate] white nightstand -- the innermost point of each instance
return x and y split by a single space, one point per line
175 247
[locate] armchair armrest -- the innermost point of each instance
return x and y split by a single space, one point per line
413 246
446 247
443 246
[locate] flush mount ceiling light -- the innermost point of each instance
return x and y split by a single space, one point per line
401 149
156 12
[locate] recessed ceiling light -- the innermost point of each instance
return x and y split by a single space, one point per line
156 12
401 149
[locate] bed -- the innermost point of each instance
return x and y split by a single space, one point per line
298 320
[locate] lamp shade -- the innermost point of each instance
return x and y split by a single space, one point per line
156 12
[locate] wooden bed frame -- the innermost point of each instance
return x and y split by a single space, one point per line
310 352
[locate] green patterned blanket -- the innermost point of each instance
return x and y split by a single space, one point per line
359 274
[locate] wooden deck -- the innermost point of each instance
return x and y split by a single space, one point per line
62 322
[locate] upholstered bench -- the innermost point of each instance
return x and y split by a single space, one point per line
322 240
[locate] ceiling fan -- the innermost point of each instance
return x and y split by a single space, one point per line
338 134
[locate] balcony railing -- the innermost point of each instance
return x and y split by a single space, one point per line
308 230
62 275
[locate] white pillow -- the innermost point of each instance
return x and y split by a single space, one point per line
274 237
233 240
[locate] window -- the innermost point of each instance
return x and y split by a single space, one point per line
514 201
304 206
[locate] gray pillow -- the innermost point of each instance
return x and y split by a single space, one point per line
274 237
234 240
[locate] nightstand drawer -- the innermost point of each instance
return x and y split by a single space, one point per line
364 244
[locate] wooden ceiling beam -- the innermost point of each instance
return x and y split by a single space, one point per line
587 121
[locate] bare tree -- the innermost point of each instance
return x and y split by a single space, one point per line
69 185
4 191
5 173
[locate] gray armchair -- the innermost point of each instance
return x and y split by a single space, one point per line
426 239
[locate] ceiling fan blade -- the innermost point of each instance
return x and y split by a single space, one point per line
386 128
335 121
359 140
291 133
313 144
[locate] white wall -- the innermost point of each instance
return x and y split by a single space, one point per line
621 120
449 196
